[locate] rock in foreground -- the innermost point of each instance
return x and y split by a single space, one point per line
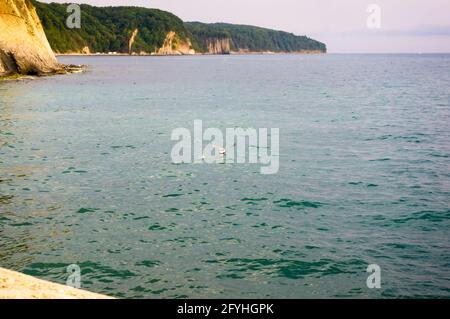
24 48
14 285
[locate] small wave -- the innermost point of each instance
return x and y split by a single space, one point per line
440 155
381 159
156 227
83 210
6 199
431 216
172 195
253 199
297 204
22 224
148 263
288 268
415 138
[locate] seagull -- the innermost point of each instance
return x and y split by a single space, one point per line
222 151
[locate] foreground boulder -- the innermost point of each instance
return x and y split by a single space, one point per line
14 285
24 48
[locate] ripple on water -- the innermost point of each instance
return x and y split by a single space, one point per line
156 227
288 203
430 216
6 199
84 210
148 263
74 170
254 199
172 195
239 268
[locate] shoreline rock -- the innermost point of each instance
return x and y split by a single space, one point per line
15 285
24 48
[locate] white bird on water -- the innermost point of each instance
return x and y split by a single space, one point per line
222 151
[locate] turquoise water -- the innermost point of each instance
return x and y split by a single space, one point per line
86 177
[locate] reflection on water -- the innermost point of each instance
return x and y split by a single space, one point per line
86 177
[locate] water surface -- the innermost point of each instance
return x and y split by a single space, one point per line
86 177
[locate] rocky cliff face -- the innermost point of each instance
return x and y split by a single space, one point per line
24 48
174 45
219 45
131 40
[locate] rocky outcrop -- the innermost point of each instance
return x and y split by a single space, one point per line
219 45
85 50
24 48
174 45
132 39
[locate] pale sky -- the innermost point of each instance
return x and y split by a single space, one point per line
406 25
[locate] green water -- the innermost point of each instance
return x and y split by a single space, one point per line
86 177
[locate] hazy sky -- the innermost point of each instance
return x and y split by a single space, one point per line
406 25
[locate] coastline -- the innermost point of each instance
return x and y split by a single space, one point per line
64 69
15 285
307 52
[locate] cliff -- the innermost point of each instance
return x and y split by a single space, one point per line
24 48
249 39
174 45
130 41
135 30
218 45
125 30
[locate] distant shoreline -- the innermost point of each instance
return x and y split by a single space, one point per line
307 52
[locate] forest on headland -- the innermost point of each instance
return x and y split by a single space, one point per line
251 38
136 30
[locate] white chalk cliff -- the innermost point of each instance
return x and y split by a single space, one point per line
174 45
219 46
24 48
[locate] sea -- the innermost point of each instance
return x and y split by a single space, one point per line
359 207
